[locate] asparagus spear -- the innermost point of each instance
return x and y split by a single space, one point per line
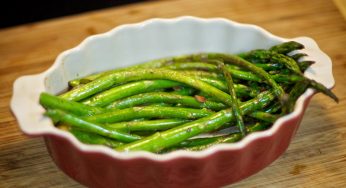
148 112
79 123
234 101
321 88
54 102
235 105
199 144
305 65
90 138
264 116
269 66
192 66
235 137
240 89
287 47
146 125
272 57
104 98
274 108
297 56
157 97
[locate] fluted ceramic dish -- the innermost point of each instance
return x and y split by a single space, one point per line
99 166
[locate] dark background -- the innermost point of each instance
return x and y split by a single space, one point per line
15 12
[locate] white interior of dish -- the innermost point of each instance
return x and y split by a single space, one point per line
136 43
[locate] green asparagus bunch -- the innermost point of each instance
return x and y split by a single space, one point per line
188 102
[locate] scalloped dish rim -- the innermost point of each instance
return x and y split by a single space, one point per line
21 115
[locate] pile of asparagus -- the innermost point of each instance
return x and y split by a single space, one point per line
165 104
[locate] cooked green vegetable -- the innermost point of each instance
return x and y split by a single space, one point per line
91 138
79 123
198 144
287 47
264 116
53 102
148 112
108 81
238 61
162 105
133 88
146 125
165 139
235 103
159 97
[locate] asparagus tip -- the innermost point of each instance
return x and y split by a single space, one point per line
321 88
333 96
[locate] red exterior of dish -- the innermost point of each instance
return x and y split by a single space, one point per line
215 170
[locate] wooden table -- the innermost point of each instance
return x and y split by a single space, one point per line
317 155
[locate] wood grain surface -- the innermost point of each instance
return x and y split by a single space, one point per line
315 158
